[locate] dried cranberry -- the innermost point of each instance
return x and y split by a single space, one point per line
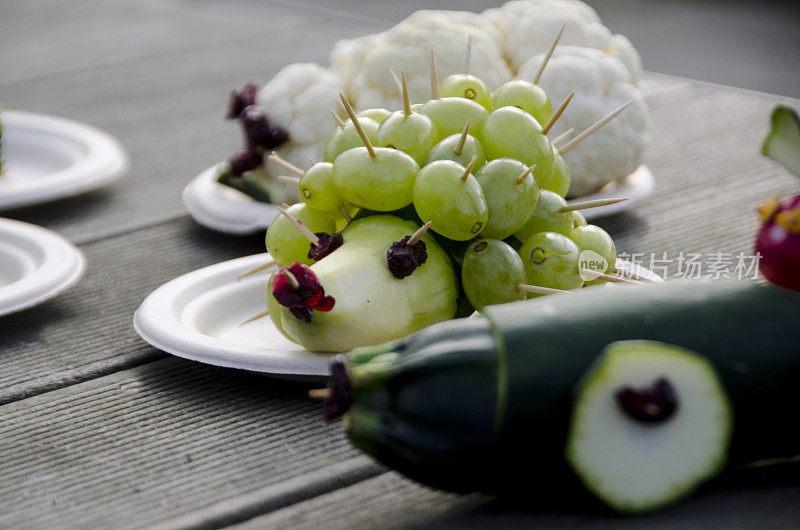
340 396
652 404
258 131
304 297
245 160
239 99
327 244
403 259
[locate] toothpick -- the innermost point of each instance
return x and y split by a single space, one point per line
357 125
261 314
525 173
630 274
599 123
264 266
468 169
557 113
289 179
311 236
414 239
337 119
404 89
548 55
606 277
464 133
311 161
285 164
590 204
563 136
434 76
291 278
345 213
319 393
524 287
396 80
468 56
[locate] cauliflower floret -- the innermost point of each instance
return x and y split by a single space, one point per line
364 63
601 84
529 26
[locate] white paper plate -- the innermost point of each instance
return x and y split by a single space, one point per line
48 158
36 264
197 316
635 187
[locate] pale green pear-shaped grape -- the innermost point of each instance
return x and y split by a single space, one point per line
597 240
578 219
383 182
456 208
465 86
559 180
413 133
446 150
510 132
551 260
490 273
346 137
547 217
526 96
450 114
510 204
379 115
317 189
286 243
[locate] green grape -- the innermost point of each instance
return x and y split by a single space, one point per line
547 217
416 107
446 150
510 132
597 240
457 209
465 86
577 219
526 96
415 134
510 204
317 189
344 138
274 308
551 260
559 181
379 115
450 114
383 183
490 273
286 244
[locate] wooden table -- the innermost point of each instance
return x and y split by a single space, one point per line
99 429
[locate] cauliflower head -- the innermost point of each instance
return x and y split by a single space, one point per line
363 63
529 26
601 83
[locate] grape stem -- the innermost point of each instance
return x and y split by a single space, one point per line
311 236
605 277
414 239
599 123
468 169
524 287
260 314
291 278
337 119
463 139
264 266
548 55
590 204
525 173
357 125
557 114
434 76
285 164
406 98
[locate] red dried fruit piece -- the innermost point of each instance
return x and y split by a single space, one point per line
403 259
652 404
327 244
305 296
239 99
245 160
258 131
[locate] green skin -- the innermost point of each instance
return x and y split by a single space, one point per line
551 260
286 244
498 390
524 95
546 217
594 238
382 183
559 180
578 219
317 189
456 209
490 273
345 138
510 204
414 134
373 306
782 143
450 114
510 132
446 150
465 86
379 115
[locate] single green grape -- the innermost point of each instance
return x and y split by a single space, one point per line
465 86
317 189
490 273
559 181
526 96
344 138
551 260
415 134
547 217
383 183
274 308
457 209
446 150
510 204
595 239
578 219
286 243
510 132
450 114
379 115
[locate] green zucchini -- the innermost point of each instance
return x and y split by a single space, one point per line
783 140
482 403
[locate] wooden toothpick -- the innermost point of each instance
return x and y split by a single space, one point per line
337 119
606 277
291 278
343 210
258 315
404 90
468 55
289 179
525 173
319 393
285 164
396 80
311 236
434 77
563 136
599 123
524 287
264 266
630 274
548 55
414 239
357 125
463 139
590 204
468 169
557 113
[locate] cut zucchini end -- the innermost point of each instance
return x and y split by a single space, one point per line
782 143
635 465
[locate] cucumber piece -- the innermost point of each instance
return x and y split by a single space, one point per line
650 423
783 140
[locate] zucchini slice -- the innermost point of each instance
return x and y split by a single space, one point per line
783 140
